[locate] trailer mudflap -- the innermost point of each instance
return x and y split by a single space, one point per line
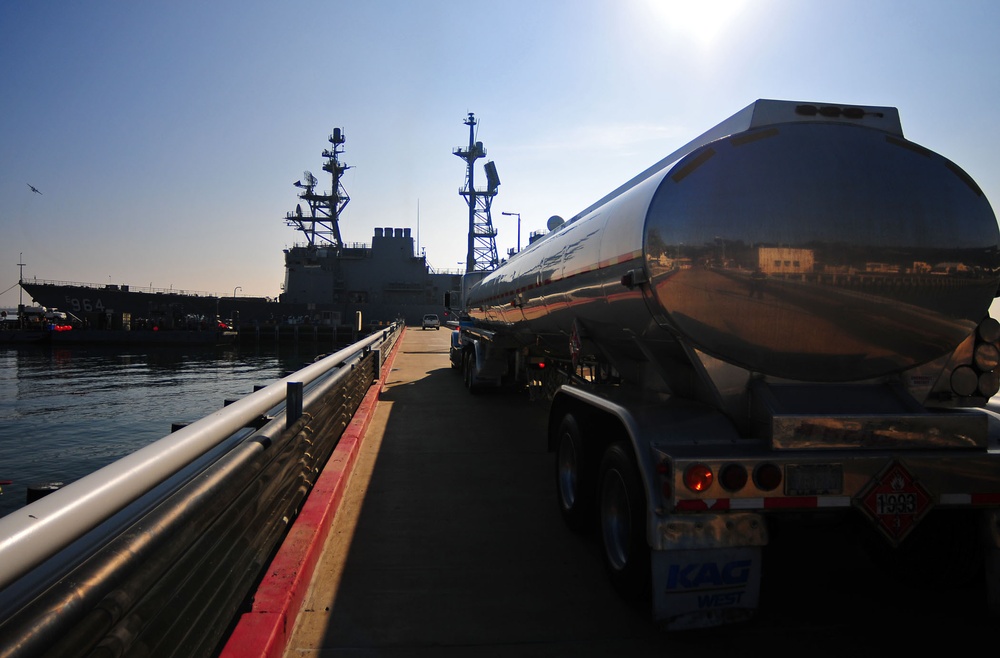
993 561
705 587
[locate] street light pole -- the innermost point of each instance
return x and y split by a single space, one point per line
20 293
20 280
518 215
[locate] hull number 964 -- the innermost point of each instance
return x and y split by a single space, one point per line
86 304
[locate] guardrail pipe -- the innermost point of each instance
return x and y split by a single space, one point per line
36 532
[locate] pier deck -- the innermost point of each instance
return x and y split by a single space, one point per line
448 542
449 537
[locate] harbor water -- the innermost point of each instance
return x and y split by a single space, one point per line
68 411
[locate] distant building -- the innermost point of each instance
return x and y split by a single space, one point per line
881 268
674 263
951 268
785 260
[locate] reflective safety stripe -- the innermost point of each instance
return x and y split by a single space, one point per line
764 503
969 499
817 502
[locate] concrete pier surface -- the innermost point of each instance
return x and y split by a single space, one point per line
447 542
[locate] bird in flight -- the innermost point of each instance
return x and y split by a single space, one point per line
33 188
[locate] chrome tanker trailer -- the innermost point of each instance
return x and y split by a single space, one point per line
786 318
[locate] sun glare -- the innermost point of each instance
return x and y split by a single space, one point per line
701 21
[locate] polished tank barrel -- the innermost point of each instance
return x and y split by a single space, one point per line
805 246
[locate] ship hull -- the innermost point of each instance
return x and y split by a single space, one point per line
381 283
111 307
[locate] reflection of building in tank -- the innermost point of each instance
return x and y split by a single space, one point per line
785 260
882 268
951 268
668 263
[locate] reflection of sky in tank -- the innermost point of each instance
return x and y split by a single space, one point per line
807 186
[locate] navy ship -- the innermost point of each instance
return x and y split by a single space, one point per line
328 282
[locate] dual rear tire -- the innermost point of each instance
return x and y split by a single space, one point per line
575 481
622 514
607 496
469 372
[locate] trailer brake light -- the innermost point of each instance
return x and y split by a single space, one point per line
664 469
989 330
980 377
767 477
986 356
733 477
833 111
698 477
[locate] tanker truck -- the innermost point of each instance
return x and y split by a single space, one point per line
785 320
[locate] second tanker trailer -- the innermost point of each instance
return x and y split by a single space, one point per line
787 317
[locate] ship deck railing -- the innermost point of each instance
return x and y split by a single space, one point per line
124 287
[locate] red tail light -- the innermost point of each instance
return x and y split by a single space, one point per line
698 477
767 477
733 477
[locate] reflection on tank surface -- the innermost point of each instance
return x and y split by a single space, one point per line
865 265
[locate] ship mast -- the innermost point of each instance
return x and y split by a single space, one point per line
482 250
322 224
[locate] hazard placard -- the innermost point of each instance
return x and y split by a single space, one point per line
896 501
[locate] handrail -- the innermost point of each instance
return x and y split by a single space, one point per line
196 554
117 287
39 530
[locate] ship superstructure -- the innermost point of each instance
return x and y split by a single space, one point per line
383 281
328 281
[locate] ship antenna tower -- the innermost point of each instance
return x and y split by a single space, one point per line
321 225
482 252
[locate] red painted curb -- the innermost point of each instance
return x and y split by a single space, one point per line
265 630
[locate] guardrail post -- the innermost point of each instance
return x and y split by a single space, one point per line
293 403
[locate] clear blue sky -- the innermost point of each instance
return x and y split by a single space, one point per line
165 136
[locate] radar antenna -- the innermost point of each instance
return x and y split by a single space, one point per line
482 252
322 225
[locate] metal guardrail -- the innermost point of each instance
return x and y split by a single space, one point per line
157 553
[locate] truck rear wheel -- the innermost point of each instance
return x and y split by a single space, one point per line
622 511
468 372
573 476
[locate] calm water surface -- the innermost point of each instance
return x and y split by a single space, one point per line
68 411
